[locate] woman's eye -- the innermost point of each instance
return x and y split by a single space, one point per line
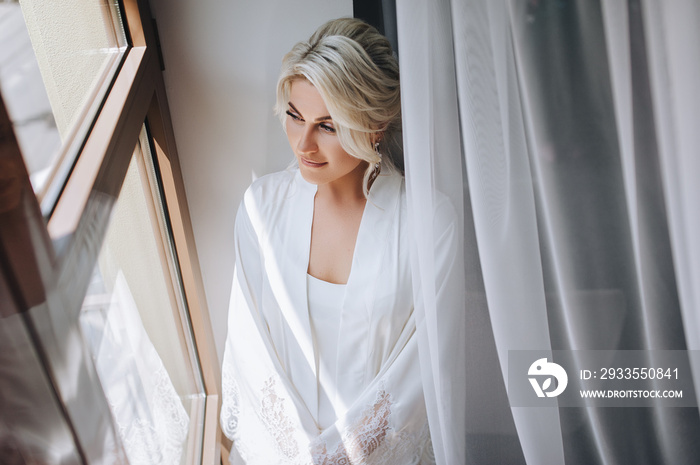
327 128
294 116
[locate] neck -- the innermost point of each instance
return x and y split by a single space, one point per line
346 190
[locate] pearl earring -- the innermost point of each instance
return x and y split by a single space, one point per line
377 166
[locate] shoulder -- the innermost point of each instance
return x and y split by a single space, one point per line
388 187
436 208
271 200
273 191
271 186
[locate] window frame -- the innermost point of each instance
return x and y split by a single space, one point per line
49 264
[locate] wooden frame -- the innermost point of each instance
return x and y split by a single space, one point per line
50 265
183 235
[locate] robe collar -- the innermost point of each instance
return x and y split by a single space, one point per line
373 235
377 219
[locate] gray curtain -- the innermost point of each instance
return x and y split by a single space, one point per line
567 134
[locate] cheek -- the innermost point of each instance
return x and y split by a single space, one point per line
348 160
339 153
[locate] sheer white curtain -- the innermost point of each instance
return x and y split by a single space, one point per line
565 134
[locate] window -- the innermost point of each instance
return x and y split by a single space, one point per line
56 65
103 310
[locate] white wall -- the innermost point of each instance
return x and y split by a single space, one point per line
222 59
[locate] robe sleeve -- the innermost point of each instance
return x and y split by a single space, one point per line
247 270
257 411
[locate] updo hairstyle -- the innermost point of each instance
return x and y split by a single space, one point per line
352 66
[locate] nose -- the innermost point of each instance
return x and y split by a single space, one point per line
307 142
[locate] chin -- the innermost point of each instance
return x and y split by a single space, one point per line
309 177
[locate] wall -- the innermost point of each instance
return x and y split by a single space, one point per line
222 61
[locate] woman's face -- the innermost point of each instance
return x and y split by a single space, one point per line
311 133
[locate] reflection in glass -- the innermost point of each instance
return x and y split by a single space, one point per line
135 323
56 62
33 428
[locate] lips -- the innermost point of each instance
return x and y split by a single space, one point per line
312 164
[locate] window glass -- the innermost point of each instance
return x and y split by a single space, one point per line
135 322
33 429
56 62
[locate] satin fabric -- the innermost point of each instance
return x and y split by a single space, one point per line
325 305
269 349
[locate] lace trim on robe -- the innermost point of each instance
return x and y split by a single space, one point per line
364 438
276 421
369 441
372 441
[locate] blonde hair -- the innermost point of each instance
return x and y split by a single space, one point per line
353 68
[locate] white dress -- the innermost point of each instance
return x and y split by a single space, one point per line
325 307
271 403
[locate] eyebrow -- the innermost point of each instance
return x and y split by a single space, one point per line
322 118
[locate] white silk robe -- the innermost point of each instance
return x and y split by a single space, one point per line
269 369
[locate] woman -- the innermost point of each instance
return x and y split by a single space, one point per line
321 362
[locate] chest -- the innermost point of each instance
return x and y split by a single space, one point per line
334 234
